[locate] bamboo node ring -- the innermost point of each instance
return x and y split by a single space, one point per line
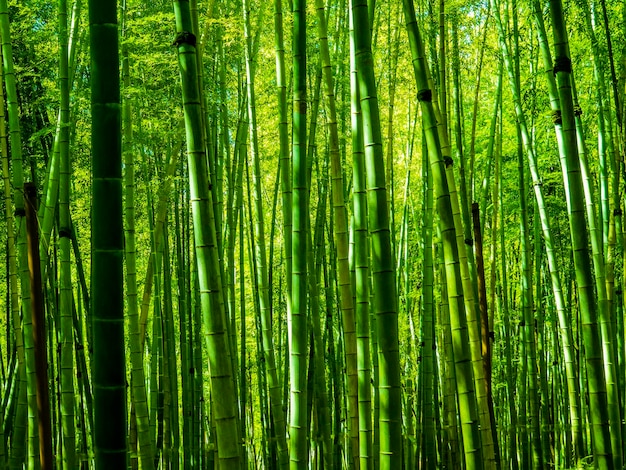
425 95
185 37
562 64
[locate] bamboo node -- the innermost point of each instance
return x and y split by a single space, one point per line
448 162
556 117
65 233
185 37
425 95
562 64
578 111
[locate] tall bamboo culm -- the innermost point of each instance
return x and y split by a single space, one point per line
214 322
108 362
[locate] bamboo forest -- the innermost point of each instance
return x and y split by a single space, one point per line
312 234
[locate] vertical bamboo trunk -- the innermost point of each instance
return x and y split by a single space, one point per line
509 345
297 323
460 338
15 142
601 415
20 430
528 345
223 387
39 329
66 340
361 266
383 273
108 363
428 335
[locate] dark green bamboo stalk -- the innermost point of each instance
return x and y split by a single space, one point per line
47 209
20 430
170 348
39 330
528 349
428 329
283 150
509 346
108 363
17 170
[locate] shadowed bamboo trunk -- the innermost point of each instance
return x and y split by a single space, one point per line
137 375
108 363
39 328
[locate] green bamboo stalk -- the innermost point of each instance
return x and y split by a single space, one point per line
15 141
170 348
602 240
66 337
243 382
184 317
157 384
601 416
207 257
361 266
528 349
297 323
457 305
469 277
315 257
20 429
428 318
47 209
283 149
506 318
158 227
39 329
382 267
452 455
